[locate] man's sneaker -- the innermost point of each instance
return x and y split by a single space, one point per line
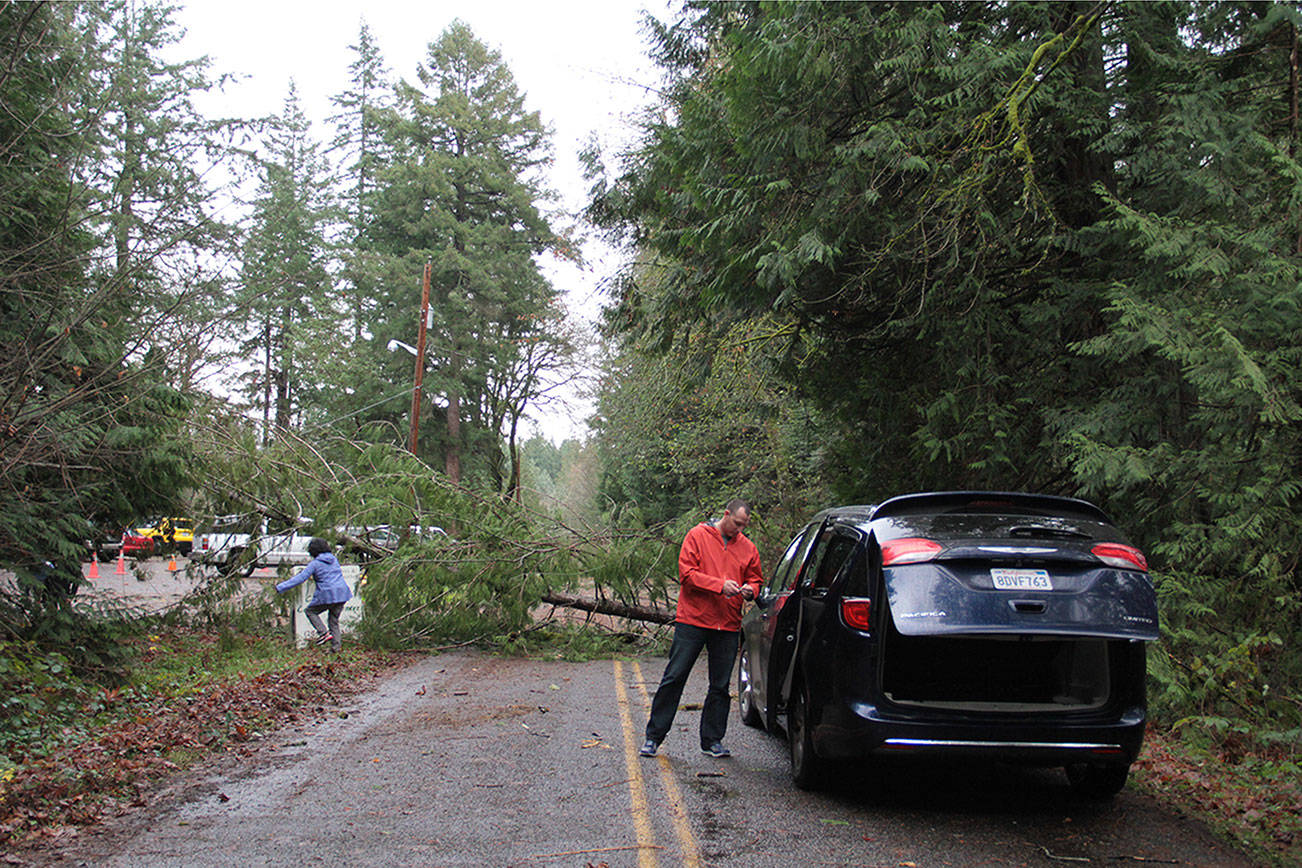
716 750
648 749
324 639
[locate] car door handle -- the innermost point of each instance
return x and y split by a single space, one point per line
1028 607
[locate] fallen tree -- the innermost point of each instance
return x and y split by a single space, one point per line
609 607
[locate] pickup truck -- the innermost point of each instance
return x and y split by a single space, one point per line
223 545
233 549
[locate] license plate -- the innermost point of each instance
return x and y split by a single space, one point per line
1021 580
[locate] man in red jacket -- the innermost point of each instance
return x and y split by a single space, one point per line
718 567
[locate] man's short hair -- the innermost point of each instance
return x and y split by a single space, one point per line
737 505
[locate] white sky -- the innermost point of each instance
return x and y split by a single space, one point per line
581 64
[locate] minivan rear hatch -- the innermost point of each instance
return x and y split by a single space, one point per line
1010 571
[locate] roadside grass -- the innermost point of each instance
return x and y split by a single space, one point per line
1251 797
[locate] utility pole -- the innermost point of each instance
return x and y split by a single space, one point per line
420 357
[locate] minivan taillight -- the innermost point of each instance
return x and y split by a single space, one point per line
855 612
910 550
1122 557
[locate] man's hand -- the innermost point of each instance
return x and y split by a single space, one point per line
747 592
731 588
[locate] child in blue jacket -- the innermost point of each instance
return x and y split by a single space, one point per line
331 591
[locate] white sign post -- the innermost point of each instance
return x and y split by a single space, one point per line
304 633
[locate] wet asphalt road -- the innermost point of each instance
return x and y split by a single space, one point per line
465 759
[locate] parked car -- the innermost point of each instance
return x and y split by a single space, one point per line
372 542
106 544
955 624
136 545
286 547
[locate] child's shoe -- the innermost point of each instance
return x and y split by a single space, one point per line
324 639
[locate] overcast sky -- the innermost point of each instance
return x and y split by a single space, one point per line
581 64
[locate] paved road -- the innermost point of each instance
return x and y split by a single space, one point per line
470 760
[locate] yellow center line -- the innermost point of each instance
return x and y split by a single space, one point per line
646 839
691 854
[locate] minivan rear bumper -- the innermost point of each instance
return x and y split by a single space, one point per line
860 731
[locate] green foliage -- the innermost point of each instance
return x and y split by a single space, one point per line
686 426
484 580
40 692
480 580
54 660
89 421
578 642
1031 246
286 293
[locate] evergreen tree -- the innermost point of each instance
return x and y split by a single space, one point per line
151 200
358 145
286 286
463 192
89 433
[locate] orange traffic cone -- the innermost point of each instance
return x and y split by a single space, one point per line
122 565
94 566
171 565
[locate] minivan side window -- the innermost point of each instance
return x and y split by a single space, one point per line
816 558
778 580
798 564
856 582
838 549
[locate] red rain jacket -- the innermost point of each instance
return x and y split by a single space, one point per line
704 563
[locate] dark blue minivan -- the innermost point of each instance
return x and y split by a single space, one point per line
1003 625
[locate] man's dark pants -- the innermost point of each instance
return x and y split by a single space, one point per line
721 648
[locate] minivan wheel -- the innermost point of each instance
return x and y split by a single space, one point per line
807 770
750 715
1095 781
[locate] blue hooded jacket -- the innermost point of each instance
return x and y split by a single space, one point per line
330 584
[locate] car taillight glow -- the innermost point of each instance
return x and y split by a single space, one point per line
910 550
855 612
1120 556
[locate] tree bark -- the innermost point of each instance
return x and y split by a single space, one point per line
607 607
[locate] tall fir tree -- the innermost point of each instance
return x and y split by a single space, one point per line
153 202
358 147
89 432
463 192
286 284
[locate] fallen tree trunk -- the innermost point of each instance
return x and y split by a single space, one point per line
608 607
